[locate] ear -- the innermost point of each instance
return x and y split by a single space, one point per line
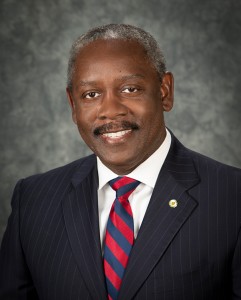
72 104
167 91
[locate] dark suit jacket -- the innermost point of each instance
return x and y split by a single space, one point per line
51 248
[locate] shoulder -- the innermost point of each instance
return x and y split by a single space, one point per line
201 162
216 178
207 164
59 175
186 164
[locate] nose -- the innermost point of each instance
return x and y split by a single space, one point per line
111 107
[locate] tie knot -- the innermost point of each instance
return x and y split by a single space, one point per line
123 186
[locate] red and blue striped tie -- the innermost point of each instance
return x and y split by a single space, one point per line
119 237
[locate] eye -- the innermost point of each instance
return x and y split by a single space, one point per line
130 90
91 95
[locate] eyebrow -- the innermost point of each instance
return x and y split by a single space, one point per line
84 83
122 78
132 76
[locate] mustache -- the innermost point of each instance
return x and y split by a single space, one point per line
123 125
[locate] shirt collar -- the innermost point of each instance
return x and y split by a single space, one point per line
147 172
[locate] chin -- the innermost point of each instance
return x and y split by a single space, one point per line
120 165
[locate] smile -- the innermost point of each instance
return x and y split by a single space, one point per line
116 135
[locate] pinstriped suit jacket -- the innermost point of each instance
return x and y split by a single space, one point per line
51 248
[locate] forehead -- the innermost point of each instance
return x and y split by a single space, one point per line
102 55
115 46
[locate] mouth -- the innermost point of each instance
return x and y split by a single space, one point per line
115 129
116 132
118 135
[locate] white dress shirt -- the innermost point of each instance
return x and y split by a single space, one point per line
146 173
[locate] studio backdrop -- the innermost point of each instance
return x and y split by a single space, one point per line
201 41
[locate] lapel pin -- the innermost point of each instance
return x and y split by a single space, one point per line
173 203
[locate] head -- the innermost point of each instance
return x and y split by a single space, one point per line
122 32
118 89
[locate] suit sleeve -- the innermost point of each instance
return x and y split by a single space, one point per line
15 278
236 267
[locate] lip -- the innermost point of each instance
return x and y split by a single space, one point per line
116 136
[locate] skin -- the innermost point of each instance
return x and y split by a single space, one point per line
117 102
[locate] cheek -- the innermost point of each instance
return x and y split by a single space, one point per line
151 103
85 116
84 126
151 113
153 124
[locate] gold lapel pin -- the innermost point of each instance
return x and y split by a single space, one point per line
173 203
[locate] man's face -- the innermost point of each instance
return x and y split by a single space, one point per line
117 102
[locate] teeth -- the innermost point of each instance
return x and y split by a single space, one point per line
115 135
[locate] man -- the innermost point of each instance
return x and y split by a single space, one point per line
81 232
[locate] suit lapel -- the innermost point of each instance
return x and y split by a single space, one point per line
161 222
82 223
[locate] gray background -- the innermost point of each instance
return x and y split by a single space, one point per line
202 44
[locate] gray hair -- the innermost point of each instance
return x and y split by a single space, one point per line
123 32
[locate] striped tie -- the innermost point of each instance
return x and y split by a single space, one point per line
119 235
